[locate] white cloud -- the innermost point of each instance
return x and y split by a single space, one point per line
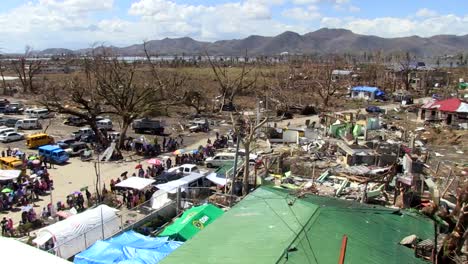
400 27
304 2
74 24
425 12
354 9
309 13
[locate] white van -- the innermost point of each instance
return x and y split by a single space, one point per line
105 124
220 159
29 123
6 130
37 113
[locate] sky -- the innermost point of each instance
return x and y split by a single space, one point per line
78 24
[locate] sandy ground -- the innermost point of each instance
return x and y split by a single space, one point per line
77 174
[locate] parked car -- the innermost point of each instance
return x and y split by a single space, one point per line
148 125
105 124
11 136
220 159
65 143
11 122
5 130
53 153
2 121
14 108
82 132
168 176
29 123
74 121
77 148
185 169
374 109
201 125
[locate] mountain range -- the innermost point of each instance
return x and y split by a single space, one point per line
322 41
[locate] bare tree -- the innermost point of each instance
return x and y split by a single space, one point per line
26 69
232 80
6 86
319 79
77 98
246 129
453 243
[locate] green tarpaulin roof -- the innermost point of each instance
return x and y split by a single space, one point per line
268 222
192 221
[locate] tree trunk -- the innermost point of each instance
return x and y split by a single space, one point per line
123 133
245 180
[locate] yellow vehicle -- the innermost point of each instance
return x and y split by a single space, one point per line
37 140
11 163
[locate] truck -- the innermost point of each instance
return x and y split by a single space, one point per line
147 125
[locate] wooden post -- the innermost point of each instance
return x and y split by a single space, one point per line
344 243
437 168
178 201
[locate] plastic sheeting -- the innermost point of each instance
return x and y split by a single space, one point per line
129 247
25 253
171 187
77 232
6 175
135 183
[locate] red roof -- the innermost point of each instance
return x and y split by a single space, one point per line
449 105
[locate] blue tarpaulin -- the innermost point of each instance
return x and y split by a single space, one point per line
129 247
368 89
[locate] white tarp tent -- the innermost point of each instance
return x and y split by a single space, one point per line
25 253
6 175
160 199
136 183
78 232
171 187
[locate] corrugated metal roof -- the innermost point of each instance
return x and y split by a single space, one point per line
448 105
272 226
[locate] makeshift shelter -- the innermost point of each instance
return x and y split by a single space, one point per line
136 183
279 227
129 247
80 231
7 175
183 183
366 92
160 199
191 222
15 251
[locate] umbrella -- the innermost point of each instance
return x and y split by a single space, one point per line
154 161
32 158
195 151
7 190
138 166
36 162
179 151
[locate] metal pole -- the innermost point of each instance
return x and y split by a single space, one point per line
102 224
235 169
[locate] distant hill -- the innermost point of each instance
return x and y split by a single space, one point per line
322 41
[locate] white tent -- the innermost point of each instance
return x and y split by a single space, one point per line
16 251
6 175
135 183
171 187
160 199
78 232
